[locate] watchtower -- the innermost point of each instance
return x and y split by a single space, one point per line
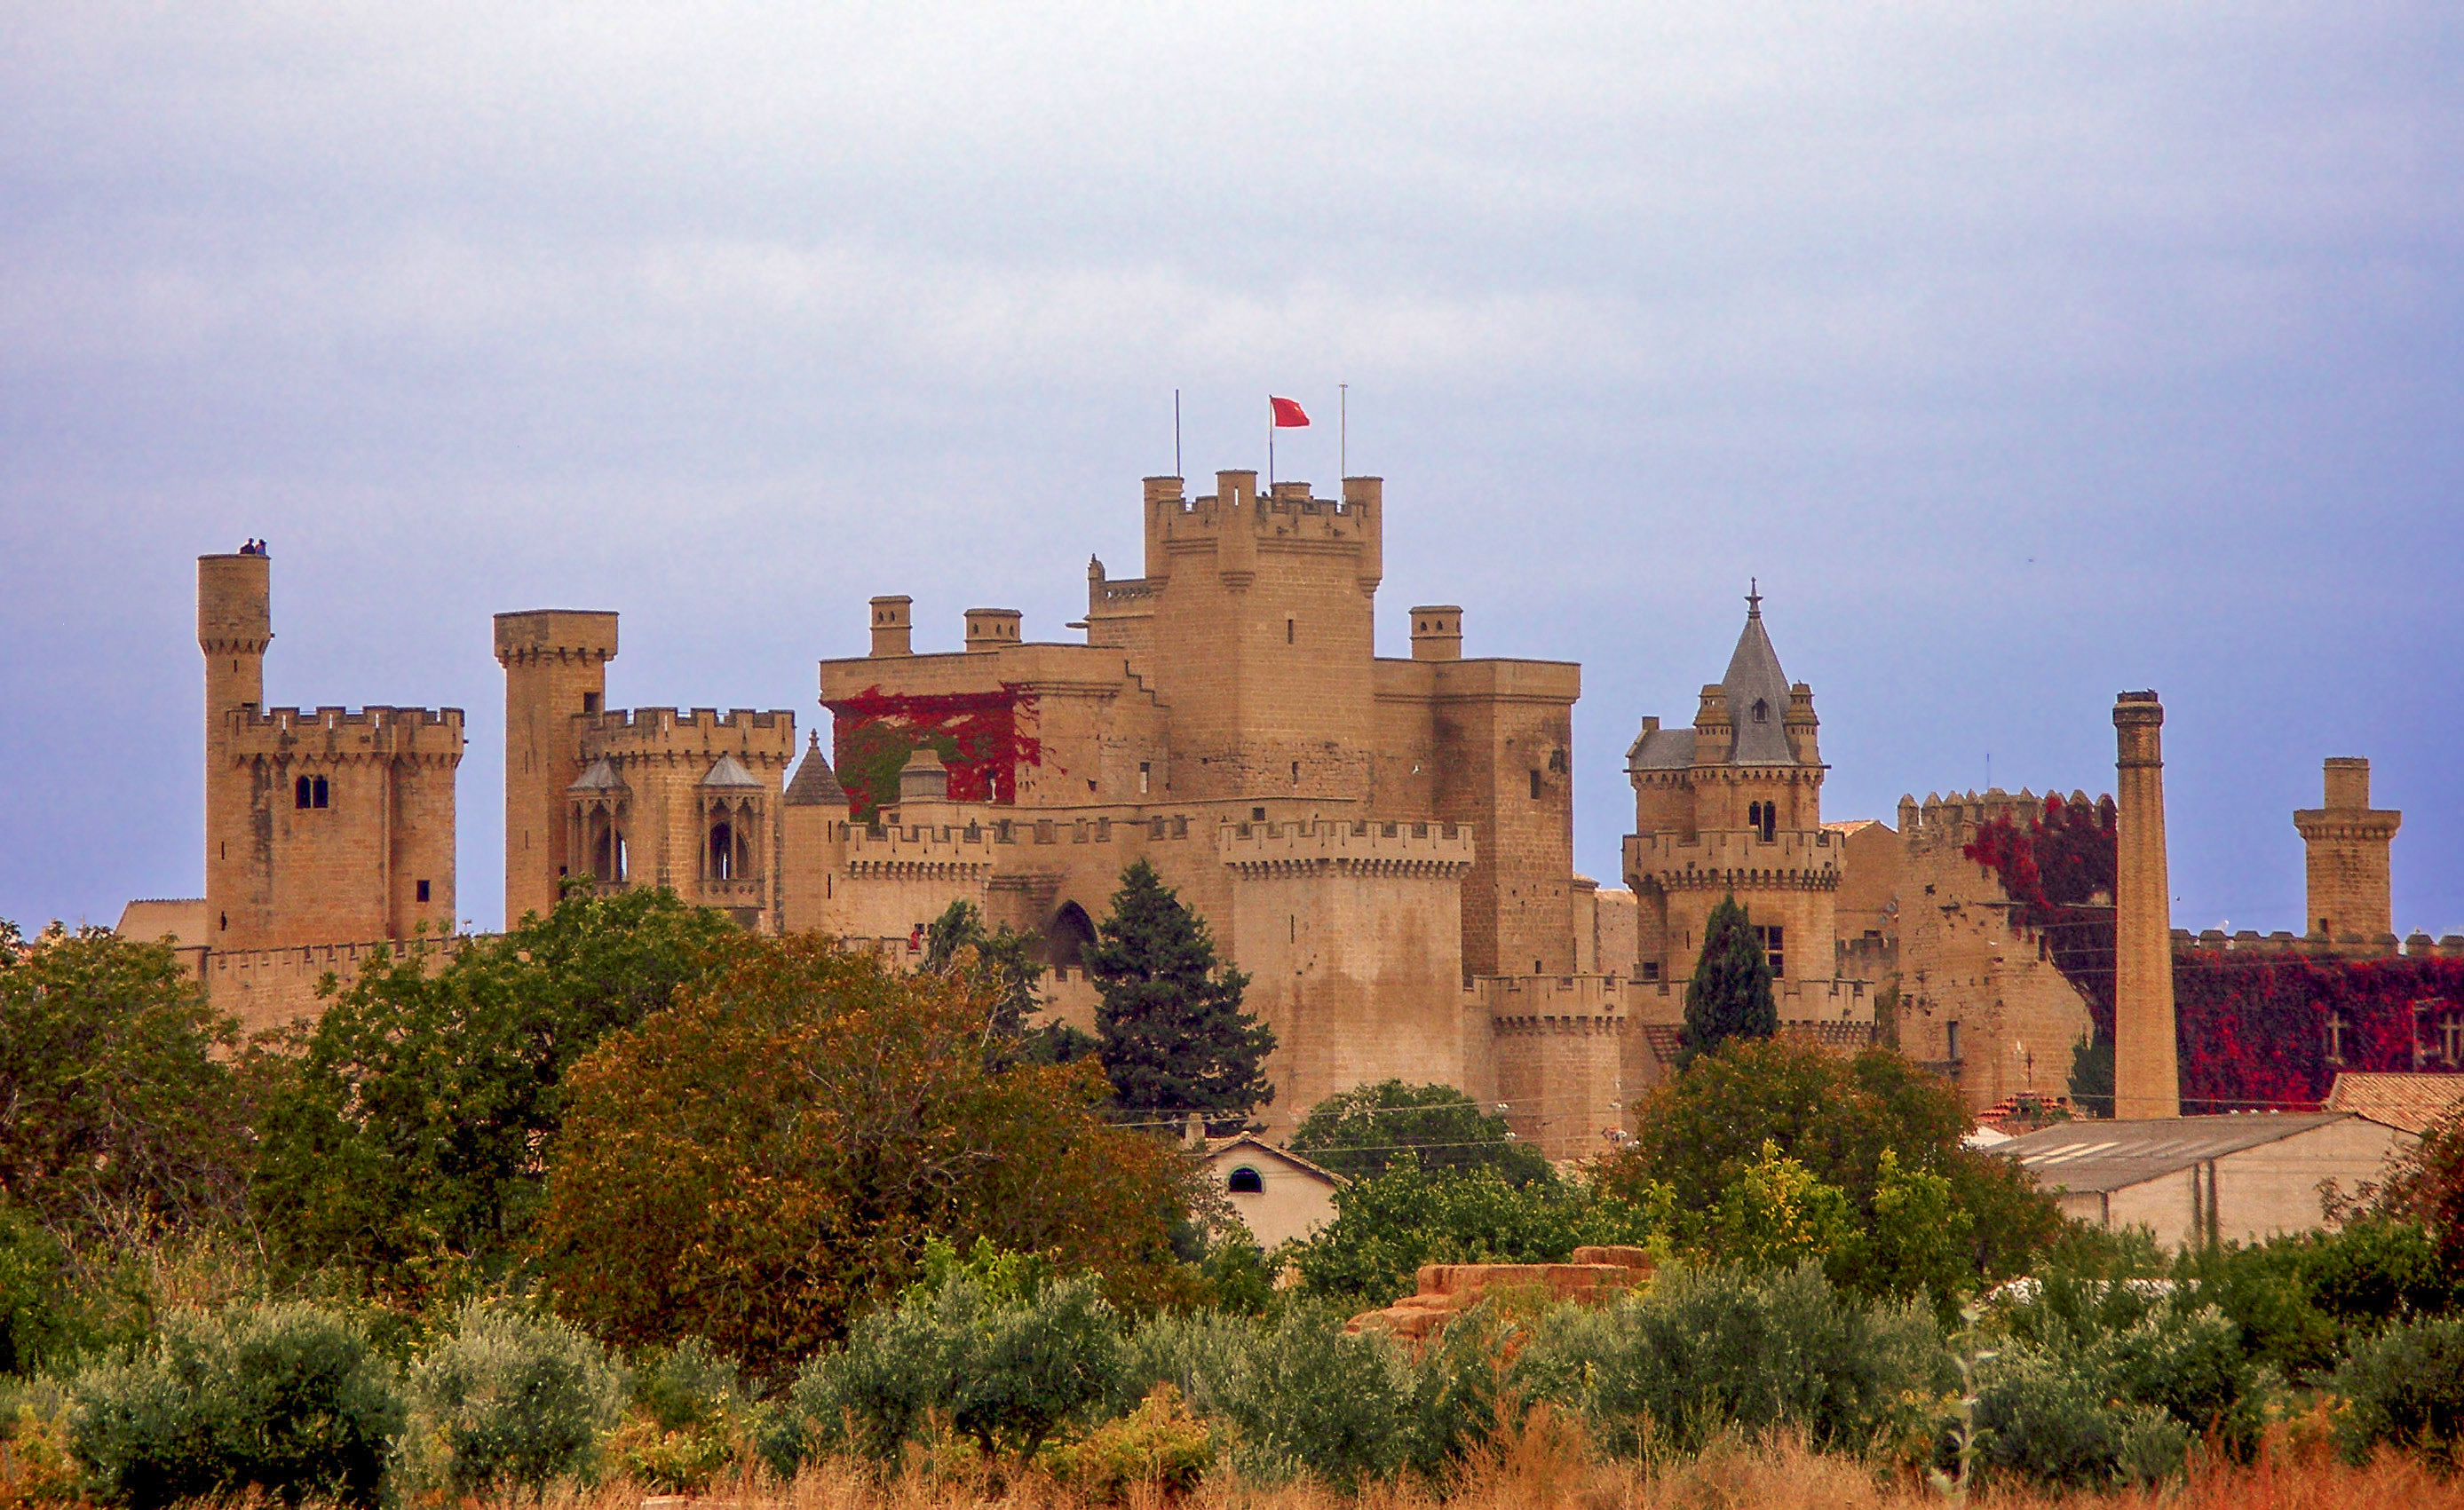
556 670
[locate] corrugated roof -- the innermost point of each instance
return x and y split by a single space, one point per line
2411 1102
2112 1155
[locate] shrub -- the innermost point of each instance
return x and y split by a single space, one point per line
690 1418
1005 1371
2068 1400
1710 1349
1159 1446
2300 1299
37 1465
1385 1228
288 1398
2406 1386
1302 1397
507 1398
34 1293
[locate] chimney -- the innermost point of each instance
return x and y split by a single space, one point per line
2146 1078
992 628
892 626
1436 633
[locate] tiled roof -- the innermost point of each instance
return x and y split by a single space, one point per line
2410 1102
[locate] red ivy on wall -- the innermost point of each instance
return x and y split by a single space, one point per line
2254 1030
976 734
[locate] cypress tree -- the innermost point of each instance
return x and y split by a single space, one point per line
1174 1037
1730 994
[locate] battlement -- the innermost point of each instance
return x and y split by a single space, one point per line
2250 944
1236 518
621 729
1552 1003
335 732
554 634
1723 859
1940 820
1422 849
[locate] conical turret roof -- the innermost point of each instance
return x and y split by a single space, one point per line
728 771
816 784
602 777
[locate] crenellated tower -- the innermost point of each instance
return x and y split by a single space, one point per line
555 672
323 825
2345 845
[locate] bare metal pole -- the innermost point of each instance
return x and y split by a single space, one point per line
1343 433
1176 432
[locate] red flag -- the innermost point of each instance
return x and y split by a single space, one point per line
1288 414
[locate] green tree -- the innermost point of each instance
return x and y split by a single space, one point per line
1697 1134
772 1156
406 1134
1360 1132
1385 1228
1777 1214
1730 994
1175 1038
115 1111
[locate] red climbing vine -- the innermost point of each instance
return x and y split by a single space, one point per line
977 736
2255 1029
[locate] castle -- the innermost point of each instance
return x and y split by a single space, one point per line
1385 844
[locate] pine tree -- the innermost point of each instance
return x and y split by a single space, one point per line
1175 1040
1730 994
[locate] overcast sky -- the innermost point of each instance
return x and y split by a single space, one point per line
2025 354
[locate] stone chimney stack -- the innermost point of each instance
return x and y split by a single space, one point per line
2345 845
894 626
2146 1078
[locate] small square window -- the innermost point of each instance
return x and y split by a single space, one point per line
1535 785
423 891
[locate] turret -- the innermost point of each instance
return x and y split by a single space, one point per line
556 670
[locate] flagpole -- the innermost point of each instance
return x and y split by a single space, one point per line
1343 434
1270 444
1176 432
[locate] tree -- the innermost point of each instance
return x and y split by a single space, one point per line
115 1111
1004 965
1730 994
407 1133
1864 1125
1358 1133
1175 1038
1385 1228
771 1156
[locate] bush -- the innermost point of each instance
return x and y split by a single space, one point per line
1006 1370
2300 1300
1304 1398
288 1398
690 1419
2406 1386
37 1465
2069 1398
1159 1446
1710 1349
1385 1228
507 1398
33 1293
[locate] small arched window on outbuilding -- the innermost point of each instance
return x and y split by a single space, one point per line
1245 1181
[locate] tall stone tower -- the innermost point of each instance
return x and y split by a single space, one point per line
555 669
2345 854
234 624
2146 1078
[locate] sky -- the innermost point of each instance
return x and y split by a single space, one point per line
2022 353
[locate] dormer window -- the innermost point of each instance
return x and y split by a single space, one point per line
1762 711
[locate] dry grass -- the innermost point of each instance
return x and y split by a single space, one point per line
1549 1465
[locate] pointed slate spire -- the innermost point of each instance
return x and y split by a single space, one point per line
728 771
816 785
1757 692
